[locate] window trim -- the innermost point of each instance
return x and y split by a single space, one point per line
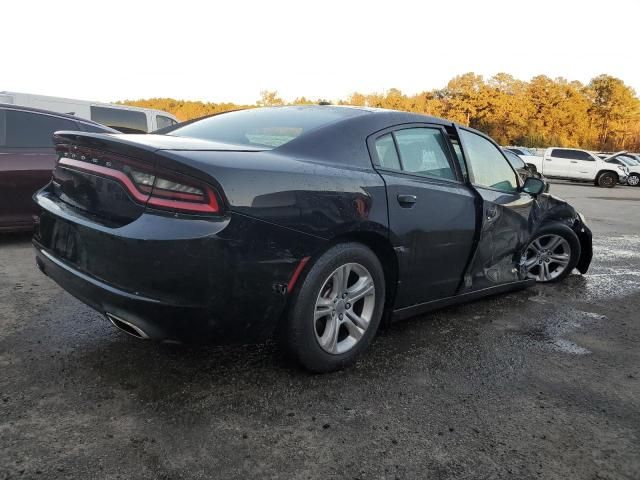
449 153
519 183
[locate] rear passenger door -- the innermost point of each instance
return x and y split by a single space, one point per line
506 212
431 210
556 164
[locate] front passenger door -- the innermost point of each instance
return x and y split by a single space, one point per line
505 214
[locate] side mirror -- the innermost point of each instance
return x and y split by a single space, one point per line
534 186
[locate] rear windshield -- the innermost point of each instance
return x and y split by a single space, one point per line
123 120
261 127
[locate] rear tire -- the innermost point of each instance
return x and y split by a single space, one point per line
633 180
335 310
607 180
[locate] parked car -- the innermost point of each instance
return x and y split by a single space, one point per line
581 165
124 118
27 159
525 171
305 223
628 161
529 157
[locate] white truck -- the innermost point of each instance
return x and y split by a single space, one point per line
530 158
578 165
123 118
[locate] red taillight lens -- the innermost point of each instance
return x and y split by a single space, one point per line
164 190
183 195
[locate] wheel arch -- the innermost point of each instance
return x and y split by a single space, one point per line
383 249
602 172
379 244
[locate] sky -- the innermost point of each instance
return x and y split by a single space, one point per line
232 50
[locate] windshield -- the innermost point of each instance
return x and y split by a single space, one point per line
619 160
262 127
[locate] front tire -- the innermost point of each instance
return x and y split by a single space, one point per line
336 309
633 180
607 180
552 253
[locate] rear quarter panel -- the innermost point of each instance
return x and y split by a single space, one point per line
310 196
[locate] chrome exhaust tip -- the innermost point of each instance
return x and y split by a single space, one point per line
127 327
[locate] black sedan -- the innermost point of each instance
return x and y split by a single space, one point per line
309 224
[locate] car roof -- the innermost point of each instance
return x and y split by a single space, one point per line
380 112
11 106
341 139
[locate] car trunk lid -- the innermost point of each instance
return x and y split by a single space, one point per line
113 178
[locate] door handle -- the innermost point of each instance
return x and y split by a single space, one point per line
547 159
407 200
574 161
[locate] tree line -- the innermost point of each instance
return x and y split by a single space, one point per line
602 115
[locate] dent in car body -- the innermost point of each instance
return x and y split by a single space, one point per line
508 225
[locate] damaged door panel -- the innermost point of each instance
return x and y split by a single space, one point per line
504 213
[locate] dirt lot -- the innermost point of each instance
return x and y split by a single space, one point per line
543 383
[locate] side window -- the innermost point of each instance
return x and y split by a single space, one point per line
560 153
126 121
387 155
3 128
164 122
488 166
516 151
579 155
458 151
33 130
424 151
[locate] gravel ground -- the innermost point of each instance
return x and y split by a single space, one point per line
542 383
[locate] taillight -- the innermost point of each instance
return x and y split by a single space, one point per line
165 190
172 192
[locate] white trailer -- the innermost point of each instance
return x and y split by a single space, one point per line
121 117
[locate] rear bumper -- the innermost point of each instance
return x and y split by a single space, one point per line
157 319
175 278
